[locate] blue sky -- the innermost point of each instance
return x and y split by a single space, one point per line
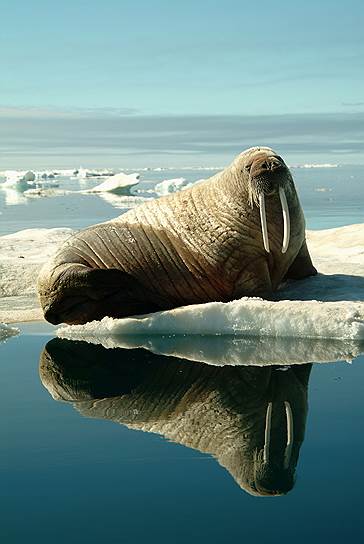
93 64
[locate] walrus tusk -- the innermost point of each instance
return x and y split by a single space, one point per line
268 421
288 450
286 222
263 222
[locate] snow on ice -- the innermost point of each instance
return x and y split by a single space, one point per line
337 253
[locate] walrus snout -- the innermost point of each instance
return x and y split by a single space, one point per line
73 311
265 173
265 179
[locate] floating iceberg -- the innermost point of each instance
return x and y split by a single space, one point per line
18 179
118 184
6 331
323 165
173 185
83 173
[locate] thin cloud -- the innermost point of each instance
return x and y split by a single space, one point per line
29 112
104 136
353 104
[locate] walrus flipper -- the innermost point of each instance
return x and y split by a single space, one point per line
85 294
302 266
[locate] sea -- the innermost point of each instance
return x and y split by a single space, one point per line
130 446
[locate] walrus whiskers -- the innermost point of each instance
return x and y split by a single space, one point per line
286 220
263 222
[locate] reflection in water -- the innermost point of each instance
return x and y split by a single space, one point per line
251 419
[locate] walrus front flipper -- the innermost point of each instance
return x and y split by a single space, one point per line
83 294
302 266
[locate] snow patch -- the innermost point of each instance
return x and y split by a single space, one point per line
21 256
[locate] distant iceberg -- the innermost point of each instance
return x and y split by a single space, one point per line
323 165
118 184
83 173
14 178
171 186
21 181
6 331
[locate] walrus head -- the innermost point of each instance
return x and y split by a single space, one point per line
265 174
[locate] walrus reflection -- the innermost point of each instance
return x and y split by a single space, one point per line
251 419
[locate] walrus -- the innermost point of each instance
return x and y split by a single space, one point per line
239 233
250 419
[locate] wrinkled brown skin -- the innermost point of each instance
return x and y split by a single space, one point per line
199 245
215 410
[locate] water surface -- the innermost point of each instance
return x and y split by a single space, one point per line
330 197
72 471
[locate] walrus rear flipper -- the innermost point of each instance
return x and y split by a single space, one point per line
84 294
302 266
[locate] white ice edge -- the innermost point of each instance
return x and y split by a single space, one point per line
243 317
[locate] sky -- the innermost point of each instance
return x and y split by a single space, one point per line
154 82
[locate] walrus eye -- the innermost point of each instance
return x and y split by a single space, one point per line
248 167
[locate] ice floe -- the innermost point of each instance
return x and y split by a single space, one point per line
118 184
22 254
83 173
6 332
337 253
174 185
246 316
16 177
171 186
323 165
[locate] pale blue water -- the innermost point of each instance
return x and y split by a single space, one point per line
72 471
330 197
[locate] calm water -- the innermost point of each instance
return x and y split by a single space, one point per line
127 446
330 197
72 471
